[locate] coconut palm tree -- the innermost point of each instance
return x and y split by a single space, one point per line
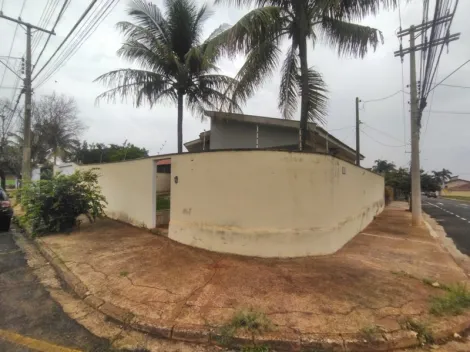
173 61
260 33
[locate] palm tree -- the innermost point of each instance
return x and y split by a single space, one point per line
260 33
383 166
174 62
442 176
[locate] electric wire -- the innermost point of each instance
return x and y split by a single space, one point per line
380 131
450 74
386 145
12 43
73 48
62 10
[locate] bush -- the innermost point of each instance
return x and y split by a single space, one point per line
454 302
53 205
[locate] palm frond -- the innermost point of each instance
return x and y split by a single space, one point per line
149 16
349 38
135 84
317 99
352 9
288 90
257 26
259 65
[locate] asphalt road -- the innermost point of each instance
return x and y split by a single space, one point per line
28 313
454 216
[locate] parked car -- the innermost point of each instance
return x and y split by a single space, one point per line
431 195
6 211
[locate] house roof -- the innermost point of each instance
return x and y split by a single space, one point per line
464 187
271 121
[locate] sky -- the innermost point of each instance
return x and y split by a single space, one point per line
385 128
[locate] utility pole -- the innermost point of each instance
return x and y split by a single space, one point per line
415 111
416 217
358 132
28 90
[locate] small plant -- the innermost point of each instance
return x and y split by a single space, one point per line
249 321
370 333
53 205
423 334
403 274
453 302
124 273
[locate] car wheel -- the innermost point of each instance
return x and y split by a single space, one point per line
5 224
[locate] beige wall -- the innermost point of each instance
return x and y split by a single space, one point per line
449 192
270 203
130 189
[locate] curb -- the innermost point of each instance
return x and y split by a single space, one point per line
282 340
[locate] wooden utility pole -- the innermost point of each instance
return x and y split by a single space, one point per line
358 134
28 90
415 111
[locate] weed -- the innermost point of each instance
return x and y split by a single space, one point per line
249 321
453 302
423 334
124 273
369 332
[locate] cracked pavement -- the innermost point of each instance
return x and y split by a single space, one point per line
176 285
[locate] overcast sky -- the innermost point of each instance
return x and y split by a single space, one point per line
445 137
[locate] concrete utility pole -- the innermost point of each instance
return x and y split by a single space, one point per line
28 90
358 132
416 217
415 111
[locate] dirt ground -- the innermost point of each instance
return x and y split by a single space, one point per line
375 280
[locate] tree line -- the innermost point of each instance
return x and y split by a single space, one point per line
55 133
400 178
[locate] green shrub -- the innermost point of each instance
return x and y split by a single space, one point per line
53 205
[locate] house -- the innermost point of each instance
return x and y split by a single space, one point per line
238 131
456 187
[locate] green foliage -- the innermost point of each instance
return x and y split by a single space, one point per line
370 332
421 329
101 153
163 202
453 302
172 59
255 349
53 205
248 321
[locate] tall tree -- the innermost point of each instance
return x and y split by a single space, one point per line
383 166
442 176
10 156
55 128
174 61
100 153
260 33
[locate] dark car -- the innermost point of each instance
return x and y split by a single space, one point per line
431 195
6 211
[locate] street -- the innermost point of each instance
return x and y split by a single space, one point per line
454 216
30 319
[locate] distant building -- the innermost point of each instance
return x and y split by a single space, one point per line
239 131
456 187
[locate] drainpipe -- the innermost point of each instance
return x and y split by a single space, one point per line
257 136
204 143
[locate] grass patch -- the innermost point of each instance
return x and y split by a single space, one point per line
124 273
423 334
453 302
251 322
370 333
163 202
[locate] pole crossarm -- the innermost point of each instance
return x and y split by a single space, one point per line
19 21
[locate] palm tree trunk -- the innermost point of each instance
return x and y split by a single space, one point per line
304 76
180 122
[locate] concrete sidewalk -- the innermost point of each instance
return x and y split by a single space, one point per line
168 289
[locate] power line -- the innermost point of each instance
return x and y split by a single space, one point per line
382 132
386 145
12 42
67 37
62 10
79 41
43 22
384 98
450 74
455 86
342 128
